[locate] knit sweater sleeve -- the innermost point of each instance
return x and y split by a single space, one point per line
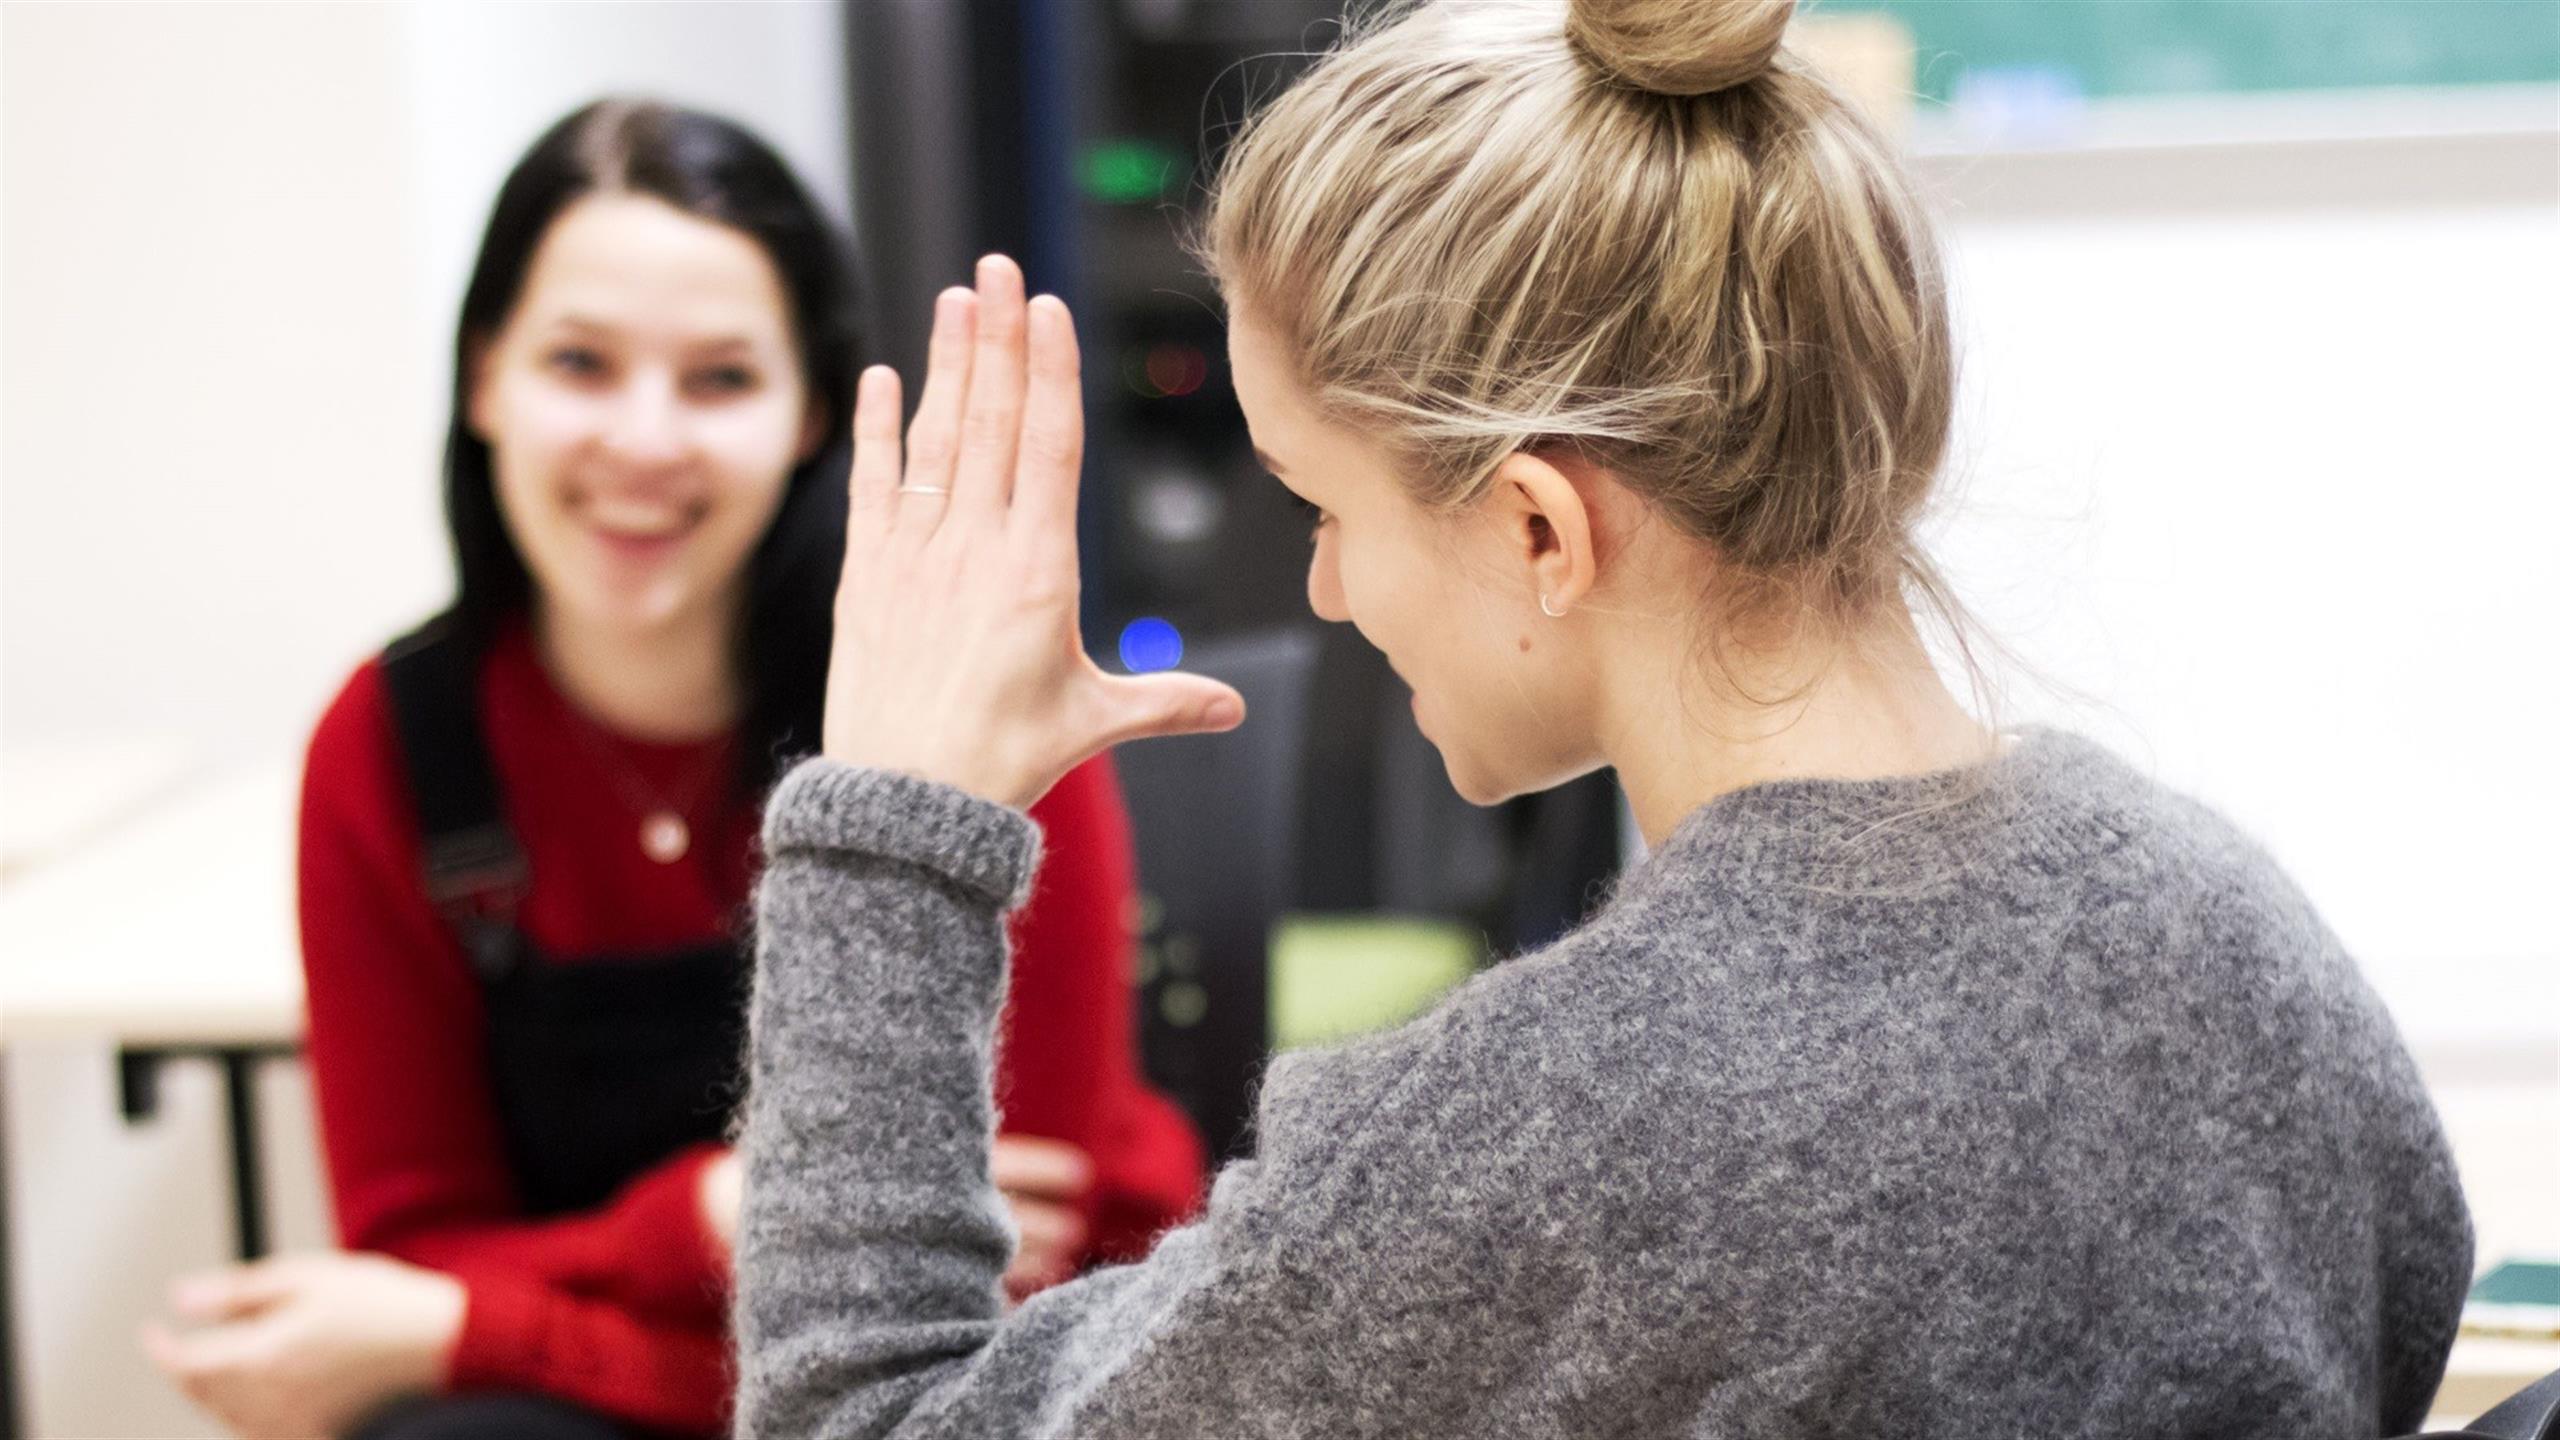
871 1241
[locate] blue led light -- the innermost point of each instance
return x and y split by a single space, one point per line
1150 644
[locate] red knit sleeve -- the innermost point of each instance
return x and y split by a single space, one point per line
1069 1067
407 1122
518 1335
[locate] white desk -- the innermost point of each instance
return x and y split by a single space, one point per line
58 797
178 927
164 935
174 936
2483 1372
2506 1142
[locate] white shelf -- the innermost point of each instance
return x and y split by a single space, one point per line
2215 121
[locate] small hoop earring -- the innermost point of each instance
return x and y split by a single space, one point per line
1546 610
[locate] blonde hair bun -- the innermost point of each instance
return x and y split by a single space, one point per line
1680 47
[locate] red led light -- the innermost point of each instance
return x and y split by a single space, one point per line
1176 369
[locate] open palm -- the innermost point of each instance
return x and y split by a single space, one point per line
957 654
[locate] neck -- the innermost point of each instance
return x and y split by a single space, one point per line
672 682
1871 711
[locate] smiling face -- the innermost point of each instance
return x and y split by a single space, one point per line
1451 601
643 406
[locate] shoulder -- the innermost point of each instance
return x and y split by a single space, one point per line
358 823
359 729
355 769
2191 864
2191 924
1087 868
353 752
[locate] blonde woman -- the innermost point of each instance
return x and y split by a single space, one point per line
1924 1079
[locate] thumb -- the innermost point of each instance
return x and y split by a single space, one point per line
1143 707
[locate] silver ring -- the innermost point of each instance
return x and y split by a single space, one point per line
922 490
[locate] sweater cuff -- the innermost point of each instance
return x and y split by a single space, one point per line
502 1339
825 805
679 1261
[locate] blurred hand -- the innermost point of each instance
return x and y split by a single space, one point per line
307 1345
724 1189
1044 1183
957 656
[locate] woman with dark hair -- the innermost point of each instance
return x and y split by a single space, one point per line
529 828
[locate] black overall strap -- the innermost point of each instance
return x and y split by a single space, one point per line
475 870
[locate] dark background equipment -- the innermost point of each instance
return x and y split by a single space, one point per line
1078 136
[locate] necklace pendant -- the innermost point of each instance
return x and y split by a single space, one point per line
664 837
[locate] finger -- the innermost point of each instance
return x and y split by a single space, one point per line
1051 455
933 441
227 1294
1049 1232
991 424
1030 1165
201 1355
208 1386
159 1343
1029 1274
1143 707
876 460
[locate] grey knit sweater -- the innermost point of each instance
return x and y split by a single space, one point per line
2036 1104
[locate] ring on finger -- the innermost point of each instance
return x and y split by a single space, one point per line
923 490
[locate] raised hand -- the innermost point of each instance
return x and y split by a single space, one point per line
957 657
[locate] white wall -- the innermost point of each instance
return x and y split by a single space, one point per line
235 237
213 453
2276 491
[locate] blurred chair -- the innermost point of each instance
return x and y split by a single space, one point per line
1217 820
1381 829
1327 802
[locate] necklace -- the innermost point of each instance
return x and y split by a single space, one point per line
665 835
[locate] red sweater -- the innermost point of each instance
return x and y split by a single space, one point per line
623 1308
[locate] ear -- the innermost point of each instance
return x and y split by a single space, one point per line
476 401
1546 521
813 431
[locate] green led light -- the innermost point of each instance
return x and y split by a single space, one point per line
1127 172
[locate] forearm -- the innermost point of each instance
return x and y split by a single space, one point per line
521 1336
871 1242
649 1248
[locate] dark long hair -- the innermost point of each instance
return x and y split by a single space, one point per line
715 170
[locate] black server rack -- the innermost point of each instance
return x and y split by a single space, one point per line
1079 136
